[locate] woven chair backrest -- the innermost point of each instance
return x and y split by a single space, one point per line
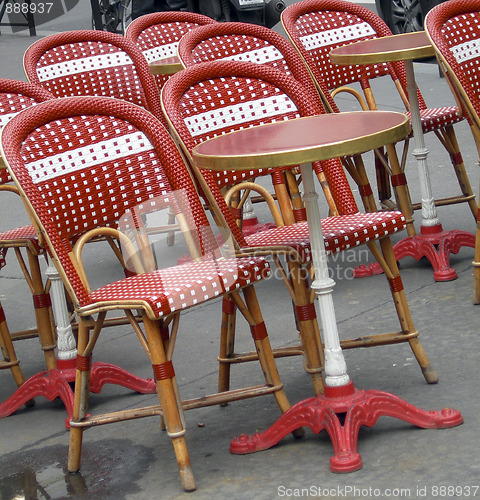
214 98
157 34
316 27
93 63
454 29
16 95
83 162
245 42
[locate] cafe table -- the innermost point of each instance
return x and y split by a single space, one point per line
432 242
342 409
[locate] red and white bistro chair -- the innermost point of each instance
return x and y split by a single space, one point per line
217 97
16 95
454 30
316 27
90 166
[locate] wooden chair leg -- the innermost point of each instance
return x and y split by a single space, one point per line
308 327
227 343
170 401
403 311
82 392
451 144
42 306
10 359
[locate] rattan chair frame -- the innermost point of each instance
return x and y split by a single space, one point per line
162 162
451 27
186 87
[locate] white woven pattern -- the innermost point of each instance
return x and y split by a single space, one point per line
334 36
235 114
83 65
466 51
91 155
177 288
161 52
261 56
5 117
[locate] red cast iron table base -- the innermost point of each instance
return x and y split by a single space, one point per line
341 411
433 243
55 383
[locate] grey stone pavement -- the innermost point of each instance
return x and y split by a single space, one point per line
134 460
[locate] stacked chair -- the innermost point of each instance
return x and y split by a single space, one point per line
232 95
157 34
454 30
260 45
121 160
93 63
316 27
15 96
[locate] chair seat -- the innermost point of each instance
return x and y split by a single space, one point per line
20 236
433 118
340 233
176 288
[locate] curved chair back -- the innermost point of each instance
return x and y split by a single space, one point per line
316 27
118 148
92 63
157 34
234 41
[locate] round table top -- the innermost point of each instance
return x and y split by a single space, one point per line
302 140
168 66
384 49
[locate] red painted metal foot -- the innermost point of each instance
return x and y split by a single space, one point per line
54 384
433 243
341 412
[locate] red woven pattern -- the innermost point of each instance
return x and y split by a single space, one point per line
95 63
177 288
16 95
212 98
18 235
157 35
340 233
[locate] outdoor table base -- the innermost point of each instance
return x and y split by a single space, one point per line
433 243
341 411
57 382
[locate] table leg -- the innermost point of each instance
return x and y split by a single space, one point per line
432 242
343 409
